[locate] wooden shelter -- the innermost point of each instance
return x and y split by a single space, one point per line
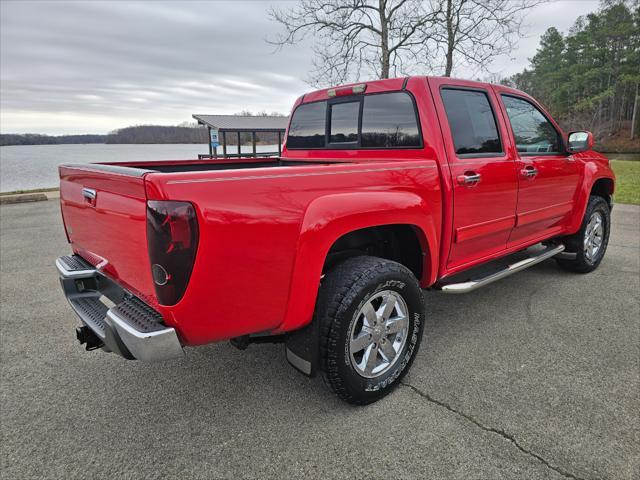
220 127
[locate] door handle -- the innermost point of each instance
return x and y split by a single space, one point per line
469 179
529 171
89 195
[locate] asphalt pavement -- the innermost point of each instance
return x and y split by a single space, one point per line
532 377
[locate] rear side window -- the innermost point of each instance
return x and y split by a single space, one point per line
532 131
307 126
389 120
344 122
472 122
384 120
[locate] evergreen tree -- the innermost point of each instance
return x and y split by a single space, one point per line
589 78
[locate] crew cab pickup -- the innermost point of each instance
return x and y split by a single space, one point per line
383 189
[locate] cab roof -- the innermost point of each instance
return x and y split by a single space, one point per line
394 84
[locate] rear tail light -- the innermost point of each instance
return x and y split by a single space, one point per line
172 237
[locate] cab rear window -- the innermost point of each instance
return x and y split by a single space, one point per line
389 121
379 121
343 122
307 128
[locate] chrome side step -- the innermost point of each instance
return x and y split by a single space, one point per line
472 285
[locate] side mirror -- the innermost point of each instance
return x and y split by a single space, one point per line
580 141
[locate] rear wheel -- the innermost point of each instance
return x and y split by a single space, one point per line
590 242
371 314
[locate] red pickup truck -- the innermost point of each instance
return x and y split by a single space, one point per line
383 189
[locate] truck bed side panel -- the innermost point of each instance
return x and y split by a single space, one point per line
250 225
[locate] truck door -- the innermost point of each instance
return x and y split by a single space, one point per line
483 172
548 177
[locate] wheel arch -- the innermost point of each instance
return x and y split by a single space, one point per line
336 219
604 187
597 179
402 243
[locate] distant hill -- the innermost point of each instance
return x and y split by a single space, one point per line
158 134
36 139
180 134
137 134
141 134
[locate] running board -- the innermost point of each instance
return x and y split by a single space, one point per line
472 285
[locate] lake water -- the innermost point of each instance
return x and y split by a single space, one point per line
26 167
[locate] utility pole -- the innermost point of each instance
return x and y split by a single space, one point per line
634 117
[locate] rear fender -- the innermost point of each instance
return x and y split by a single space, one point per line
330 217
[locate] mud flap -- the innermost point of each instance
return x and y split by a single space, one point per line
303 347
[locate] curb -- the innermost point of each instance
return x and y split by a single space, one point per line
23 198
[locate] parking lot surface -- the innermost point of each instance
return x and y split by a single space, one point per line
532 377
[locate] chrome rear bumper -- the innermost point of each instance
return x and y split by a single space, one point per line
130 327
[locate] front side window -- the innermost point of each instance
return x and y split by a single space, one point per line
532 131
307 126
472 122
344 122
389 120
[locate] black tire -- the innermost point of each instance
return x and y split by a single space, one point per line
576 243
346 289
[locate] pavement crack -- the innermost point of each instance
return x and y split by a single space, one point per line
497 431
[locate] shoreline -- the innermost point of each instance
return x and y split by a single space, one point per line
27 196
28 191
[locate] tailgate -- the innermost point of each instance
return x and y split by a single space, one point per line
104 210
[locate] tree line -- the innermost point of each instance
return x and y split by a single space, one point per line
136 134
158 134
141 134
589 78
181 134
37 139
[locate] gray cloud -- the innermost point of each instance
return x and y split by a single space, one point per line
94 66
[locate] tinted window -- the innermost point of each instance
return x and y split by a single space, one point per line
532 131
344 122
389 120
472 122
307 126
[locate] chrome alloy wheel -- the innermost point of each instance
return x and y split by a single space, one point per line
378 333
593 236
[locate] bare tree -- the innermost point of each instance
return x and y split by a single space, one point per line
360 38
474 32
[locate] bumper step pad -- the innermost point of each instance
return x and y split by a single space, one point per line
92 311
74 266
139 315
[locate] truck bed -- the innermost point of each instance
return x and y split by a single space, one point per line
251 222
176 166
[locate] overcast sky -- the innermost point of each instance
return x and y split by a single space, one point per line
94 66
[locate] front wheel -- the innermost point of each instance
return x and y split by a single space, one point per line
590 242
371 313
